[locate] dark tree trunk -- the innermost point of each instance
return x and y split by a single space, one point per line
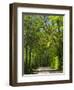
59 48
58 23
26 61
30 50
40 62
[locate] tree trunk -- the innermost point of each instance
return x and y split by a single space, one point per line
26 61
30 50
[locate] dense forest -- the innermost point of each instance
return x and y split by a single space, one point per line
43 42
